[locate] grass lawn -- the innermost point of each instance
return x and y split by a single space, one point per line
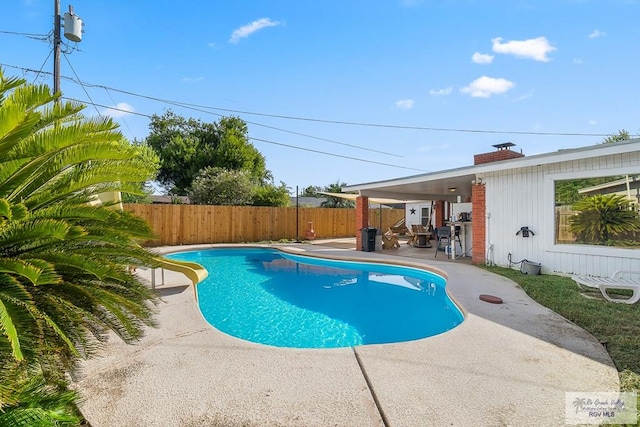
616 325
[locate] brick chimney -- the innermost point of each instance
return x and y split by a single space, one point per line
503 152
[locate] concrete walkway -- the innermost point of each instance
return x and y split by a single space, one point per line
505 365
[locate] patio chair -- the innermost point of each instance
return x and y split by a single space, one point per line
443 238
390 240
399 227
628 280
412 237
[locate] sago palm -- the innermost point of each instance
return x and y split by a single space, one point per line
64 279
602 217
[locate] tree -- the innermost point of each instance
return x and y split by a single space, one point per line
311 191
186 146
622 135
603 217
271 195
144 190
336 202
217 186
143 196
64 277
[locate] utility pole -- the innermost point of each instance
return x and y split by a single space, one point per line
72 31
56 46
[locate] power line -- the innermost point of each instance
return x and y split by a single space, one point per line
336 155
348 123
200 109
83 88
265 141
310 150
123 119
371 150
377 125
42 66
41 37
135 113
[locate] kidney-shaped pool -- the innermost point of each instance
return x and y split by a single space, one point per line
271 297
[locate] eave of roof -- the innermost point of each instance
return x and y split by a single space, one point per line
458 176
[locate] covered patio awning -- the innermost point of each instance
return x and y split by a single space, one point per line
447 185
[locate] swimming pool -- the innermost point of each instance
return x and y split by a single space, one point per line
271 297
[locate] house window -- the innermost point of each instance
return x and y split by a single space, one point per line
600 211
425 216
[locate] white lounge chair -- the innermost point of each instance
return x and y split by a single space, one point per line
619 280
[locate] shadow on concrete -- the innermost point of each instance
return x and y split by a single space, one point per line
171 290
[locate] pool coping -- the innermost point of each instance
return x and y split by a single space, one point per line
507 364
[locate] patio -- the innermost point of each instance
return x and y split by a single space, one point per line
405 250
507 364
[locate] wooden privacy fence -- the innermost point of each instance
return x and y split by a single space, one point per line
195 224
563 235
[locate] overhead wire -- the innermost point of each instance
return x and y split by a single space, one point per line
340 122
264 140
336 155
194 107
206 109
377 125
41 37
179 104
42 66
123 119
83 88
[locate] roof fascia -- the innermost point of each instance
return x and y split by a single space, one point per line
581 153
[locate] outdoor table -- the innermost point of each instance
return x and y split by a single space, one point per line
422 240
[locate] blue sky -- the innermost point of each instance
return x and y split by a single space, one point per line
418 73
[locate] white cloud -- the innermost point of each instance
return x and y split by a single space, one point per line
120 110
211 45
247 30
191 79
593 122
597 33
440 92
577 61
482 58
536 49
405 104
484 87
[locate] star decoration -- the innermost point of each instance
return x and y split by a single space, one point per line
412 211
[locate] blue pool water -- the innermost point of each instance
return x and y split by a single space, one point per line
270 297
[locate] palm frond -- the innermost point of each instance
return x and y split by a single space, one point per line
33 401
36 271
8 329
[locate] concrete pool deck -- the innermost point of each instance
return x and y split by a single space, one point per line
507 364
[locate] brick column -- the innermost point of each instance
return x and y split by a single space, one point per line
478 223
439 206
362 218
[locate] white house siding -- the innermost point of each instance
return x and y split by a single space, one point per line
525 197
416 217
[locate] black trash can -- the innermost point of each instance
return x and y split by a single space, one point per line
369 239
